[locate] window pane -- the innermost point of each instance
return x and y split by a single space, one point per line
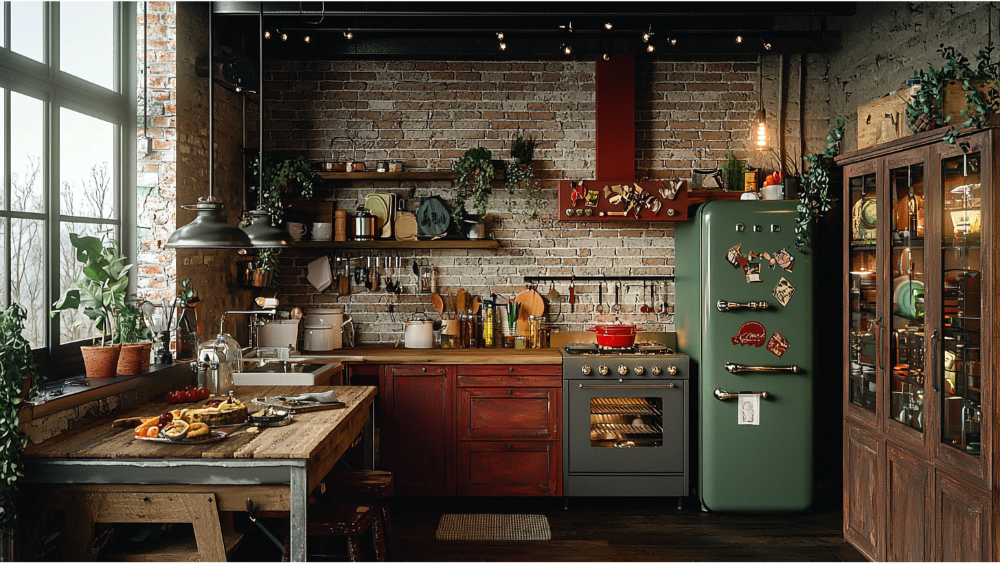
3 263
3 202
87 41
27 275
74 325
26 176
27 23
86 168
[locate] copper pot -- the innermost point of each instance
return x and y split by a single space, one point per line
615 335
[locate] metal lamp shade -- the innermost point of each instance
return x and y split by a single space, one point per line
263 235
209 230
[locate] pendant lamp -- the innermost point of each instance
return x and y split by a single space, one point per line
209 229
262 234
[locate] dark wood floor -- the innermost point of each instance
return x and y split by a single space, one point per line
611 529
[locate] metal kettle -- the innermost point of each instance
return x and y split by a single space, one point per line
364 226
217 360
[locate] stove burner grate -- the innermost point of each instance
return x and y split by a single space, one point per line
641 349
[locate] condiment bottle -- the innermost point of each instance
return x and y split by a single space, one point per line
340 225
491 338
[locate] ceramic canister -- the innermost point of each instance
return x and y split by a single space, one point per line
332 317
320 338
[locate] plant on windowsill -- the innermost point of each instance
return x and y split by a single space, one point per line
101 293
815 198
134 337
520 172
20 381
475 180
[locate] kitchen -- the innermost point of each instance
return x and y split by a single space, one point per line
397 94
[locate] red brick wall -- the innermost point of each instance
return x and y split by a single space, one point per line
688 114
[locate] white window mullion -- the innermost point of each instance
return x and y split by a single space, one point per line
52 179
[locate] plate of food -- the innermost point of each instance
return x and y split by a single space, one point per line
165 429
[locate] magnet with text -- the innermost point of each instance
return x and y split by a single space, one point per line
752 333
777 344
752 272
783 292
735 257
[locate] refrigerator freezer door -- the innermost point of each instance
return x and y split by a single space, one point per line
767 466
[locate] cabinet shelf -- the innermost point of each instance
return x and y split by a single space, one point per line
443 244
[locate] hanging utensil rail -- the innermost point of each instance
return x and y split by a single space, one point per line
537 279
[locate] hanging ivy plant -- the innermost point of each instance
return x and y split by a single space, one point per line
815 198
285 177
519 171
475 181
17 366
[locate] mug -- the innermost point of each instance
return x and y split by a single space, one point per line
322 231
297 230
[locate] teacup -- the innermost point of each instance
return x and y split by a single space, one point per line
297 230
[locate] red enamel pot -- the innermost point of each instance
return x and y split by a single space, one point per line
615 336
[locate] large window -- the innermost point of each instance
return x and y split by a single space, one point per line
67 153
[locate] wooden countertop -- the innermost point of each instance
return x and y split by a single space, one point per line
450 356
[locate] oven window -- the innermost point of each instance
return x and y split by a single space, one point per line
626 422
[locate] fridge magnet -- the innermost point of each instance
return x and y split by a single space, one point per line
593 198
777 344
752 333
733 256
749 412
783 292
752 272
670 189
784 260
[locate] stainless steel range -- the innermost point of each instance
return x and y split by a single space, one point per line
625 421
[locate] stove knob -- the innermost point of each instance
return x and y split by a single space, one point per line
603 370
656 370
672 370
622 370
586 369
639 370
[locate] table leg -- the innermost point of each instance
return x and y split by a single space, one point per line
299 501
370 438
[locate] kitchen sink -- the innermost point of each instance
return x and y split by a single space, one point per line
285 372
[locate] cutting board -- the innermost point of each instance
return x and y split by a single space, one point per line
532 304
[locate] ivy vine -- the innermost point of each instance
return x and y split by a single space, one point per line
475 181
284 177
815 198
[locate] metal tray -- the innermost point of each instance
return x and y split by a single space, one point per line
213 436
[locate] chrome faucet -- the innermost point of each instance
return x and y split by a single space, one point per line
254 322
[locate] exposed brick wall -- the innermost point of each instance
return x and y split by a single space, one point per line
688 113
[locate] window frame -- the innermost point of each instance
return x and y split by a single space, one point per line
58 89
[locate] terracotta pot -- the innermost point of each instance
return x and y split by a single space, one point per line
101 361
134 358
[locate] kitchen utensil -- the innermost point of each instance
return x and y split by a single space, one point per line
296 230
476 303
531 304
432 217
600 298
332 317
454 309
644 308
553 294
617 307
365 226
419 333
340 225
452 327
461 300
572 295
377 207
320 338
614 335
406 226
438 304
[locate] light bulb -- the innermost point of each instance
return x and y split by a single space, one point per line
307 39
284 37
646 36
606 57
348 35
650 48
503 46
767 46
567 49
760 136
739 39
607 26
500 36
267 34
673 41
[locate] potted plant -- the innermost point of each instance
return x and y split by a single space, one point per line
285 177
20 381
475 181
134 336
101 293
732 173
519 172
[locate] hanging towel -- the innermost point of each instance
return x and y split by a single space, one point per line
319 273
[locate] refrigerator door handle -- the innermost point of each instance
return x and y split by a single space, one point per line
723 395
740 368
725 306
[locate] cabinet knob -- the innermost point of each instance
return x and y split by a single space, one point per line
511 368
510 391
510 446
423 369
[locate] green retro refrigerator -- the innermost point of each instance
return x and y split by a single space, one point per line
744 313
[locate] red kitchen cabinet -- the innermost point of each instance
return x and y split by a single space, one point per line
507 413
508 468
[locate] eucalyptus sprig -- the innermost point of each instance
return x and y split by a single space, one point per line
815 198
17 365
475 181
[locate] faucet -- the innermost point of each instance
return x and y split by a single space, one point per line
254 322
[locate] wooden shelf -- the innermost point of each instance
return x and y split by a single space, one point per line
701 196
444 244
427 175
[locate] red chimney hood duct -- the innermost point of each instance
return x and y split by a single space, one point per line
615 122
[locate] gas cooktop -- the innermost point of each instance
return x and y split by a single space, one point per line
638 349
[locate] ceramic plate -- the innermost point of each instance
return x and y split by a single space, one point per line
433 217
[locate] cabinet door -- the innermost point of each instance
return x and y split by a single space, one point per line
423 432
863 287
963 523
508 468
909 519
862 490
490 413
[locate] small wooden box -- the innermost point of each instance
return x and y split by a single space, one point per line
884 119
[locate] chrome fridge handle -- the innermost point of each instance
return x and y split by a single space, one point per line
740 368
726 395
725 306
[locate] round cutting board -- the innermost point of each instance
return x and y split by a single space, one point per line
406 226
532 305
376 206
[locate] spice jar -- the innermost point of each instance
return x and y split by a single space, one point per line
429 280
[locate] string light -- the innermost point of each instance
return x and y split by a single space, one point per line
608 26
307 39
503 46
739 39
606 57
284 36
500 35
648 35
650 48
566 48
673 40
349 35
267 34
767 44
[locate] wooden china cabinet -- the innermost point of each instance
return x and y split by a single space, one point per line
920 364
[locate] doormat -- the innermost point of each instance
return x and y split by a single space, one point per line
494 527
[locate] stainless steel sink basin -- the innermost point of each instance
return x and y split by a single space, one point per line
288 367
283 372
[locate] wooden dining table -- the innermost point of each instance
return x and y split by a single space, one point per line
274 469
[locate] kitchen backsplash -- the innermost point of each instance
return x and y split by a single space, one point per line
688 114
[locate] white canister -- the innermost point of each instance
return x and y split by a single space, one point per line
419 333
279 334
332 317
320 338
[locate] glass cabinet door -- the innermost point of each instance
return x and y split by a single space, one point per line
961 304
863 317
906 294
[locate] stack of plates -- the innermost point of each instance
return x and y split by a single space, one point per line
382 206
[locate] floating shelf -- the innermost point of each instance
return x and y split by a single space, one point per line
701 196
444 244
428 175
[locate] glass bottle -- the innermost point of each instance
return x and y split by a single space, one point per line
491 339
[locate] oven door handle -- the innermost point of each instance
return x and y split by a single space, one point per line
740 368
723 395
666 386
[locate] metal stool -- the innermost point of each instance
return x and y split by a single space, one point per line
365 487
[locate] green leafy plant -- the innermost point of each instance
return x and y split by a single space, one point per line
285 177
522 151
186 295
131 328
519 172
101 290
475 181
17 366
815 198
732 172
267 259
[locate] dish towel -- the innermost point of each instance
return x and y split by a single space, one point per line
319 273
325 397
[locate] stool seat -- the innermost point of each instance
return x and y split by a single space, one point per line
339 519
359 484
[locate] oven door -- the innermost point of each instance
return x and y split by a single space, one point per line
628 427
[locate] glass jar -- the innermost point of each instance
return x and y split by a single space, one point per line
536 327
470 331
492 338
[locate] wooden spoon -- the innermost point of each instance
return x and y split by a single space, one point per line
462 300
476 304
438 304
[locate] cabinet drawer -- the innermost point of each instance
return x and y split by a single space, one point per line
486 413
508 468
419 370
510 381
511 370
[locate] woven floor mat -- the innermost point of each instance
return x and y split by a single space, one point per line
494 527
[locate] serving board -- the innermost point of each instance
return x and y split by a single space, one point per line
601 209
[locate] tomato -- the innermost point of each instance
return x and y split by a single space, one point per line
203 393
171 397
188 387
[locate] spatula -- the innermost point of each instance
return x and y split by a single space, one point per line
438 304
476 303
